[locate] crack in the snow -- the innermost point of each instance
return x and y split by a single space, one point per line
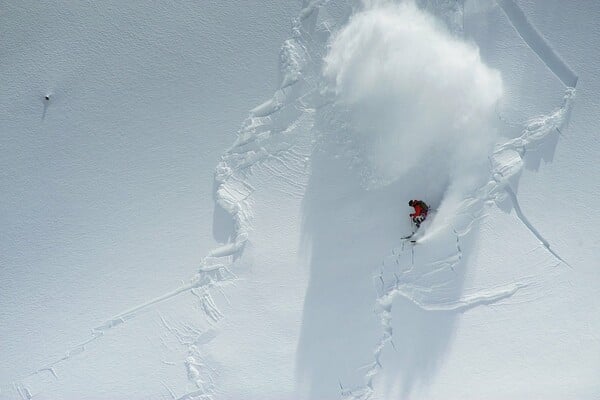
403 289
537 43
529 225
507 162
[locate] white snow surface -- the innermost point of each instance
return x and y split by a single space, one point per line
148 251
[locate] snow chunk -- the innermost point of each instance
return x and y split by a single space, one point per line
291 62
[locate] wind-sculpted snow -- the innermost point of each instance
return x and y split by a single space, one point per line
265 148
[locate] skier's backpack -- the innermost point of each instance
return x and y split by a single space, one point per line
424 206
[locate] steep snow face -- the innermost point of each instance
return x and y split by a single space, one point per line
107 198
310 292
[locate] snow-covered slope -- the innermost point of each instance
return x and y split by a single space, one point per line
107 188
299 286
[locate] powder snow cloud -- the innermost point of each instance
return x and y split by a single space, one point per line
417 97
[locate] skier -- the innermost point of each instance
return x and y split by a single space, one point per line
420 213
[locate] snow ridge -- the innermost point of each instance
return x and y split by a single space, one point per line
259 140
262 144
507 161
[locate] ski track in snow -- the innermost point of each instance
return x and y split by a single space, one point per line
259 144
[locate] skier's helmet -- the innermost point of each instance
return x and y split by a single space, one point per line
411 202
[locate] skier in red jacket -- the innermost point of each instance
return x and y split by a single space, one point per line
420 213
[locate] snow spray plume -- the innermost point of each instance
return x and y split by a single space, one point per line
418 98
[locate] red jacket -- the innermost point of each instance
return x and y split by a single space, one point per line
419 209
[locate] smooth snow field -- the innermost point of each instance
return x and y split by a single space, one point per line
207 200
